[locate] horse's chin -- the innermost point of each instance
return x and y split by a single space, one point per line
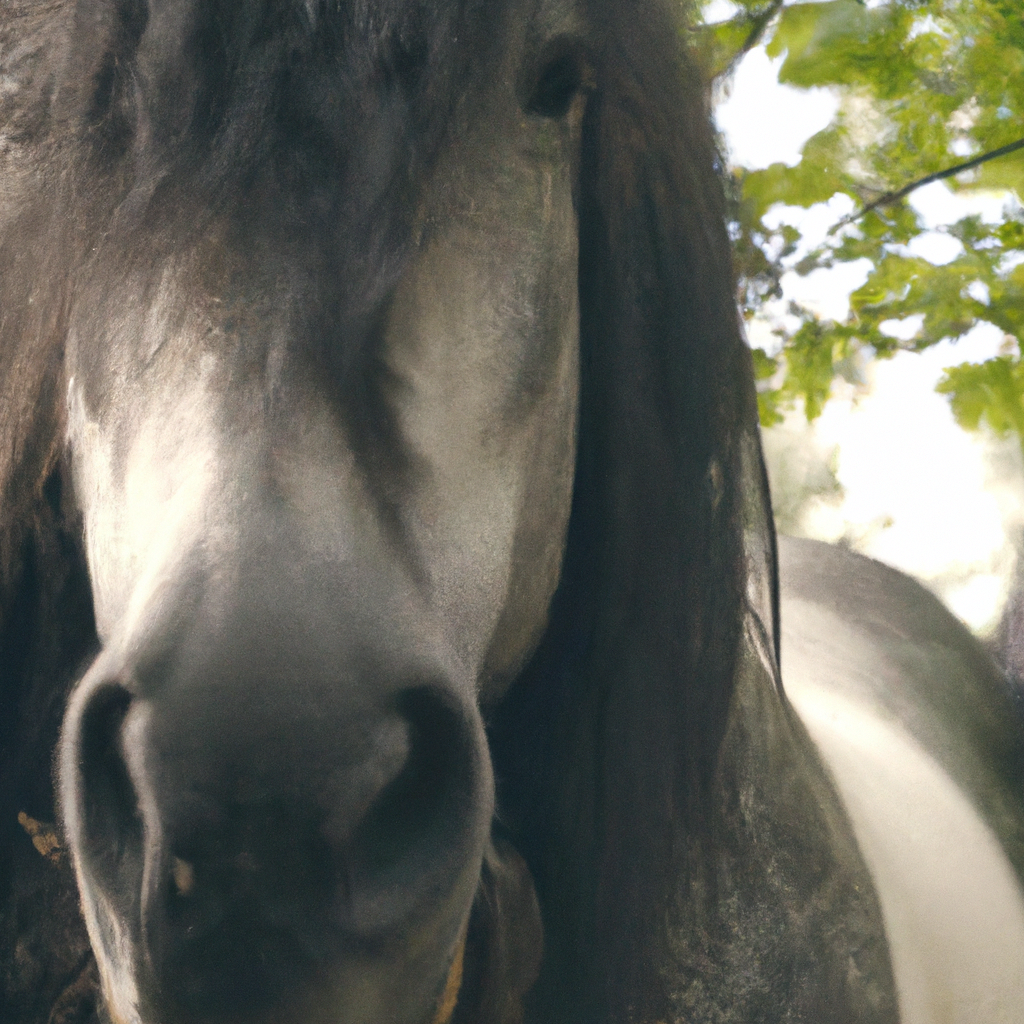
484 964
345 992
249 972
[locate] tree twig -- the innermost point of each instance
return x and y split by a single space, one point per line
891 197
758 24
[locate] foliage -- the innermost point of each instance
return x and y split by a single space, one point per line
924 87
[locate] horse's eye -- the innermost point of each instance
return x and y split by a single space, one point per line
563 74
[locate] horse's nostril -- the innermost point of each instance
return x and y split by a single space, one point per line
416 819
357 785
353 852
111 839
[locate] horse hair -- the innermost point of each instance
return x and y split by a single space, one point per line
611 750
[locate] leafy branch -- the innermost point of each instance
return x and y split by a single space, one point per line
758 24
912 78
722 45
888 198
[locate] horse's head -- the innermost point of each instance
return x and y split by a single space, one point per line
322 389
406 416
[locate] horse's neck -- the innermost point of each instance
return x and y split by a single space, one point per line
791 927
899 720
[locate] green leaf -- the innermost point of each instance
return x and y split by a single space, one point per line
920 82
991 392
765 367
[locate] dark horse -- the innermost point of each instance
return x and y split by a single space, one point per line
386 559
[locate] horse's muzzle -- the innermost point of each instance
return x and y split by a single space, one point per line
260 816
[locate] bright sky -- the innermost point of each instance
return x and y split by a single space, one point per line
917 491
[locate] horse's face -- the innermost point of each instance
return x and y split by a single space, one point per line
322 380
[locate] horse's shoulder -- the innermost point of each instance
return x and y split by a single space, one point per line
923 738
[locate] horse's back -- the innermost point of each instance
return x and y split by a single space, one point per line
926 745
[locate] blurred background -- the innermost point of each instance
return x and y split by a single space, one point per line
875 166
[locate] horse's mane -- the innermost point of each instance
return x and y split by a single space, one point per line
28 38
668 802
46 623
634 681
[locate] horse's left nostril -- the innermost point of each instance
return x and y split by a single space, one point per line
412 829
110 826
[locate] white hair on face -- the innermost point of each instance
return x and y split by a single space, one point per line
146 509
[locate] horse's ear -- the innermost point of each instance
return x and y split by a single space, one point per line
607 748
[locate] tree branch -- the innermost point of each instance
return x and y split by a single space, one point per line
758 24
891 197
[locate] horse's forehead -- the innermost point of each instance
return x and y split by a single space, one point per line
366 19
361 21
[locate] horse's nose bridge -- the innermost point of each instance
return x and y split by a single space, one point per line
300 685
197 479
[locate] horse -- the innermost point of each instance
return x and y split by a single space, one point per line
389 603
